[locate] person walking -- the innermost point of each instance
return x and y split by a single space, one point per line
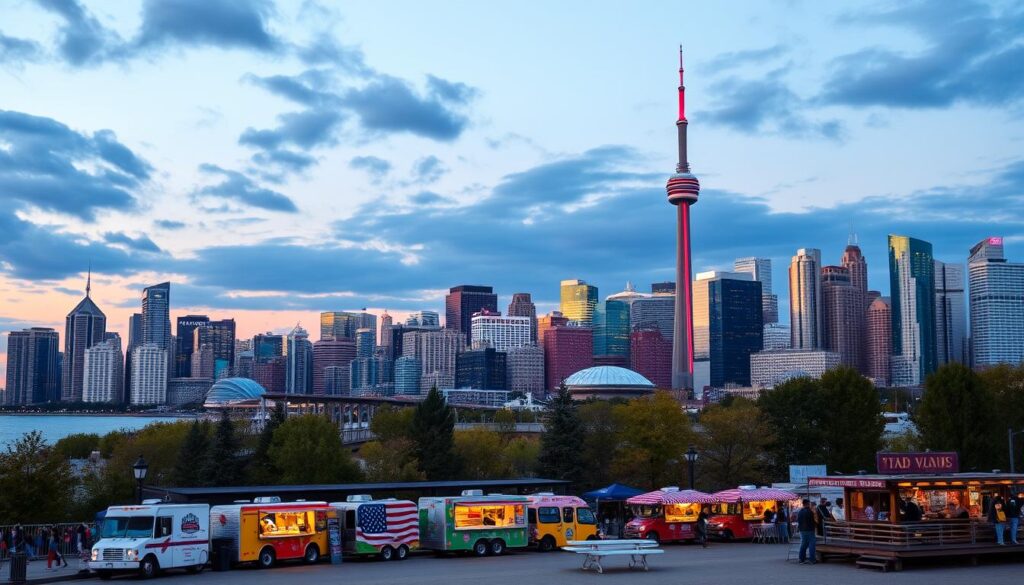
805 524
997 516
702 526
1013 513
53 555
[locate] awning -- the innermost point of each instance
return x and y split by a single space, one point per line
764 494
661 497
616 491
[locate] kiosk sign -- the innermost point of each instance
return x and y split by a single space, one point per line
929 462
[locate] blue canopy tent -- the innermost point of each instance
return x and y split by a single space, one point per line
610 507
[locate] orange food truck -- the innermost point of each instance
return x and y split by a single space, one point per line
739 510
268 532
666 515
555 520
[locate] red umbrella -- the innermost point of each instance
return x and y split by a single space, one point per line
672 496
753 495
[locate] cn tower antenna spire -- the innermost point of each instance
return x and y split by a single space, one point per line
682 89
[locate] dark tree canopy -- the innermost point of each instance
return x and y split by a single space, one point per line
561 446
958 413
433 434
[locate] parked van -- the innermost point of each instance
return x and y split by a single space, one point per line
151 537
555 520
266 533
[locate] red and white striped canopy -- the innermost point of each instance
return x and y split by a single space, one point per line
673 497
753 495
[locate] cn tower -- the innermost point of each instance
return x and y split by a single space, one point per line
683 190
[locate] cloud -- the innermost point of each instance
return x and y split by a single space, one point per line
390 105
429 198
733 59
139 244
81 39
306 88
451 91
377 168
766 106
231 24
305 129
326 50
239 188
971 55
168 224
17 51
428 170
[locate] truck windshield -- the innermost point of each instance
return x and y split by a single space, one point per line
127 527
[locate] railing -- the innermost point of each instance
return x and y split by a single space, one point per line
37 540
911 534
519 427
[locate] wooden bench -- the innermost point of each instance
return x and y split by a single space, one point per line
595 550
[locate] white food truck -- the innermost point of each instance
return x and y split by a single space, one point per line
151 537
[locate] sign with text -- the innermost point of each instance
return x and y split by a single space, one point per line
847 482
930 462
799 473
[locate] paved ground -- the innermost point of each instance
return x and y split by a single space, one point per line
721 564
37 570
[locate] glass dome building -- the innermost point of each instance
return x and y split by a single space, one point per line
233 391
608 382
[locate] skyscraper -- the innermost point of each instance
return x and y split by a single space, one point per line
950 314
366 339
202 362
683 190
149 373
567 350
996 305
483 369
760 269
156 316
650 355
611 332
805 318
552 319
185 342
857 266
879 341
578 301
84 327
407 376
776 336
727 325
332 353
436 350
134 340
104 375
658 311
501 333
464 301
33 366
522 306
221 335
336 325
386 322
843 314
525 367
912 284
423 319
299 368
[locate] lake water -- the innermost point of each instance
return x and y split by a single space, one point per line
58 427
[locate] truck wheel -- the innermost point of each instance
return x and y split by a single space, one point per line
402 552
312 554
387 553
592 537
652 535
104 575
497 547
727 535
195 569
266 558
480 548
149 567
546 544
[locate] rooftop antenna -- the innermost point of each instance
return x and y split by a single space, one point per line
88 281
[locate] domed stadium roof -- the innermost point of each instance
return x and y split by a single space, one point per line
608 376
234 390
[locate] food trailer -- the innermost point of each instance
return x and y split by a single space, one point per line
555 520
474 522
151 537
387 528
268 532
666 515
738 510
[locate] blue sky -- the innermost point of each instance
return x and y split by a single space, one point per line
274 159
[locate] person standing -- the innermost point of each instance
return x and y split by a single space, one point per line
805 524
1013 513
838 512
702 526
782 523
997 516
822 513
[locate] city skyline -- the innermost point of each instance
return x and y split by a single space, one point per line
270 267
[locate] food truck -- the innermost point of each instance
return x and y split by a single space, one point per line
738 510
387 528
473 522
266 532
151 537
666 515
555 520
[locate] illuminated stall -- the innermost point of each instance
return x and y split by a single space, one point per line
666 515
474 522
738 511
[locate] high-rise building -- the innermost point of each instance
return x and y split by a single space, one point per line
683 190
386 322
462 303
267 345
996 305
805 315
221 336
567 350
663 288
912 284
33 366
271 373
407 376
770 368
149 372
483 369
201 363
156 318
337 325
950 314
134 340
436 350
299 364
365 342
879 341
843 316
658 311
727 325
185 343
611 332
501 333
423 319
552 319
578 301
337 380
522 306
332 352
84 327
855 264
776 336
650 355
525 367
104 375
183 391
760 269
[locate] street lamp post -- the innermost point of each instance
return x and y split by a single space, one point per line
691 459
140 469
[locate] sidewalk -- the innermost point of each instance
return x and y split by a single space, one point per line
38 574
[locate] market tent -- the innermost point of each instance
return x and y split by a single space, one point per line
673 497
753 495
610 507
616 491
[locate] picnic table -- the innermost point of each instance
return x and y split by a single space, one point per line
595 550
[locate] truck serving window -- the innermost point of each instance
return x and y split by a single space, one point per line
490 516
164 526
682 512
280 524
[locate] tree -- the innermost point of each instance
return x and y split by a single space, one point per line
77 445
189 470
36 485
260 470
432 432
222 464
600 441
392 460
308 449
521 455
561 445
390 423
733 444
159 443
851 420
480 451
654 433
505 420
1006 384
957 413
792 411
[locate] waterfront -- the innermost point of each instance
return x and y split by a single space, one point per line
56 427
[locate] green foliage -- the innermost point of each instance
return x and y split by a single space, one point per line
480 452
561 445
520 455
391 460
958 413
732 446
432 433
308 449
192 464
653 434
260 470
35 482
506 423
851 421
391 423
905 442
600 441
77 446
793 410
222 465
1006 383
160 444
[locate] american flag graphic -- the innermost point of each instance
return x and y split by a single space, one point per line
390 523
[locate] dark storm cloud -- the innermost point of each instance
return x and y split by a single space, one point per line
376 167
973 54
239 188
766 105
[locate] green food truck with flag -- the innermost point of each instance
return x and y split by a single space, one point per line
474 523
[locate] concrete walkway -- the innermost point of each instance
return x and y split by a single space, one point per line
38 573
